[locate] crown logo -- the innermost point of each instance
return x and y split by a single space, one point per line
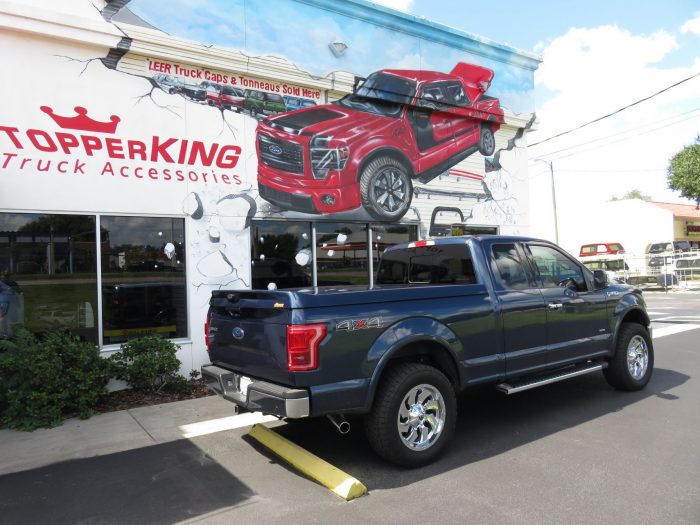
82 122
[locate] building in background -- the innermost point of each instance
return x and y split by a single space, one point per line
158 155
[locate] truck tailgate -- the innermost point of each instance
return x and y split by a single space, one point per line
247 333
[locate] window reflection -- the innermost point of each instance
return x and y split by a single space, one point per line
341 250
281 255
48 273
143 277
384 236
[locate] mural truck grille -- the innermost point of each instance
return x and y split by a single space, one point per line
281 154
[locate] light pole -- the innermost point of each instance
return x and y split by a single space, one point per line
554 198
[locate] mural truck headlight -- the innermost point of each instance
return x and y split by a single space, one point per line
325 157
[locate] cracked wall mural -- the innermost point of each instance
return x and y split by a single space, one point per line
223 112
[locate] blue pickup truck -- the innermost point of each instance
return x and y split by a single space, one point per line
441 316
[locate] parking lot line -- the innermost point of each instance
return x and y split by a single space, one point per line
225 423
671 330
316 468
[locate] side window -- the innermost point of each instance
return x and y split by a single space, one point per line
442 264
456 95
433 97
511 272
555 268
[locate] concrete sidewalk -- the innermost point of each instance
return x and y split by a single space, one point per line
119 431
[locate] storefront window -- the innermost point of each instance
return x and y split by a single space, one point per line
341 251
281 255
384 236
143 277
48 273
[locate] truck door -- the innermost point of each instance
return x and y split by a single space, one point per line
577 319
465 127
431 123
523 313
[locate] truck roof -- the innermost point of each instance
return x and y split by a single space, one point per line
461 239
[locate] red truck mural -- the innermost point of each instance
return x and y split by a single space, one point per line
366 148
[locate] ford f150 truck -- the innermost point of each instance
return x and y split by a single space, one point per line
442 315
366 148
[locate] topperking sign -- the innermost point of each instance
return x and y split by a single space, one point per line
73 145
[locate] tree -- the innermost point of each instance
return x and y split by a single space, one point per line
684 172
633 194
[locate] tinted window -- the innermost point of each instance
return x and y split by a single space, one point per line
281 254
441 264
555 268
433 96
511 272
48 273
456 95
341 251
143 277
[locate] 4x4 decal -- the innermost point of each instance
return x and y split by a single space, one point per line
359 324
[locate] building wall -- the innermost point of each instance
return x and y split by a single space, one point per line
90 125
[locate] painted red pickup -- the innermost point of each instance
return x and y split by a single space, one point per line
365 149
227 97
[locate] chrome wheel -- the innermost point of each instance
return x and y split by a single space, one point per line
637 357
421 417
390 190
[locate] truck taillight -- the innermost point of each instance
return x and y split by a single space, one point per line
302 346
206 332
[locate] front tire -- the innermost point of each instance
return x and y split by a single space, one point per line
487 142
386 189
414 415
633 363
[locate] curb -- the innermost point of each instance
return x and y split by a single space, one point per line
316 468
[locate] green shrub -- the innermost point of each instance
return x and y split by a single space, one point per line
149 364
44 380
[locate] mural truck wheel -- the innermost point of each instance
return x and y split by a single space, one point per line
487 142
386 189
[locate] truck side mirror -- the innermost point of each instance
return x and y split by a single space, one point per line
600 278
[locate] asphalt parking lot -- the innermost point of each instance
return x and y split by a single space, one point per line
571 452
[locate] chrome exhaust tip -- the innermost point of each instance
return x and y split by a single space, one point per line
339 422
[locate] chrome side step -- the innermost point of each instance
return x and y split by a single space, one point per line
542 380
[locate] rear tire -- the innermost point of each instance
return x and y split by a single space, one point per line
414 415
487 142
633 363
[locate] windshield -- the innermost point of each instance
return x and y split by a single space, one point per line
381 94
272 97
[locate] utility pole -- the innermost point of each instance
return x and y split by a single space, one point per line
554 197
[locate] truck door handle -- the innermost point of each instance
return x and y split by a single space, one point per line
555 306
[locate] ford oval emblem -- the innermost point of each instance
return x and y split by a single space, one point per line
238 332
274 149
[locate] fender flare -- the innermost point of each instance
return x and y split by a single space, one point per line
404 334
628 311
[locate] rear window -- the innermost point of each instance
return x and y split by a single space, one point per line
439 264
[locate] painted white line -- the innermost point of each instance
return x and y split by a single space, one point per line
671 330
225 423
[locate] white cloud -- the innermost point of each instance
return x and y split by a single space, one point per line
692 25
586 74
399 5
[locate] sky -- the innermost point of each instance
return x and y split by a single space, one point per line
598 56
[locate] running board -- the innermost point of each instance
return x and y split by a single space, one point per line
568 373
